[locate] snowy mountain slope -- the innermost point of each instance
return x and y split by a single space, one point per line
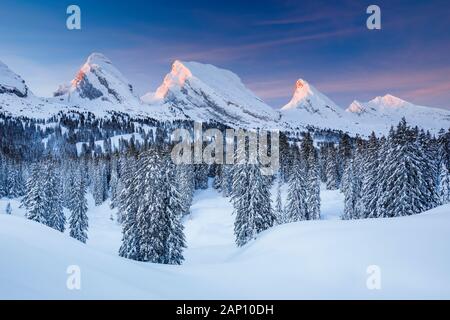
17 99
99 85
325 259
310 107
203 92
381 113
11 83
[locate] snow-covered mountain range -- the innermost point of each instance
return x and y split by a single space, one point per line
309 107
380 113
203 92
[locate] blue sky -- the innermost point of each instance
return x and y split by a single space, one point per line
269 44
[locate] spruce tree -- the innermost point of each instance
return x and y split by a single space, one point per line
370 179
312 188
252 204
53 198
444 184
332 169
279 212
35 198
128 207
250 198
350 191
185 179
175 207
402 181
78 221
152 226
296 209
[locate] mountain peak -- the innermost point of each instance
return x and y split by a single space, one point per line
177 77
12 83
97 58
205 92
355 107
307 97
389 100
98 79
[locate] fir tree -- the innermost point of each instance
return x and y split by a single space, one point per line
152 226
370 179
250 198
402 180
296 209
444 184
185 180
227 180
349 188
53 198
78 221
35 198
201 176
313 190
279 212
332 169
175 206
128 207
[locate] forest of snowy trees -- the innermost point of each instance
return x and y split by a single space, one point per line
404 173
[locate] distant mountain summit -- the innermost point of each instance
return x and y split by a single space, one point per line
310 107
203 92
381 113
98 81
11 83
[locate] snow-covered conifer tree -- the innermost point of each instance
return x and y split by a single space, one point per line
444 184
349 188
175 206
313 189
295 209
128 207
78 221
53 198
332 169
402 180
370 179
35 197
251 199
279 211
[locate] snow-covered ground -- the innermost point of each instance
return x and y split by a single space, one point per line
310 259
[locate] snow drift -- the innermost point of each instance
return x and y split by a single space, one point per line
303 260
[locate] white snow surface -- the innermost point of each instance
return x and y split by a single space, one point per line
203 92
99 86
10 81
380 113
326 259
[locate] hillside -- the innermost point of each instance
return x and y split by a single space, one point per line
313 259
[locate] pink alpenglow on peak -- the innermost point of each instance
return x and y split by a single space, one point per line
389 100
176 77
382 112
203 92
98 80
